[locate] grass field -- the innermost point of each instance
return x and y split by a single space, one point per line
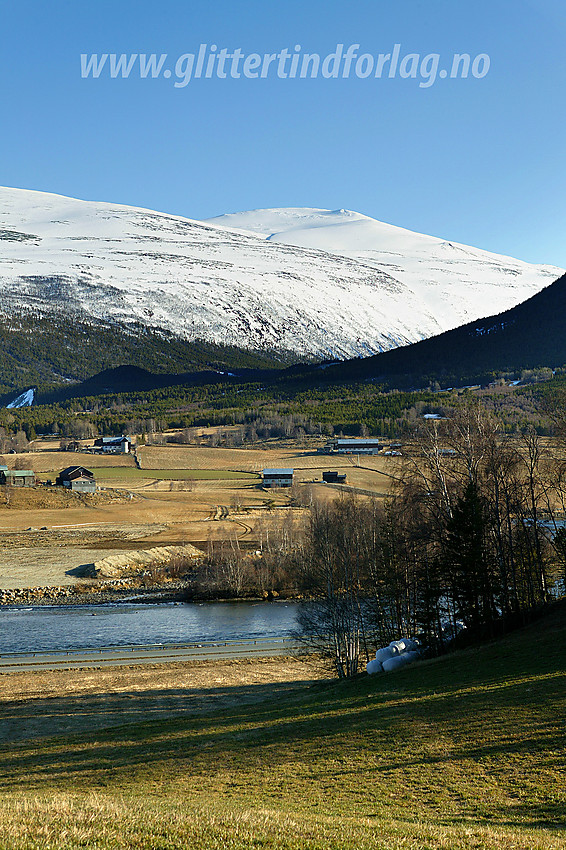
464 752
55 461
131 474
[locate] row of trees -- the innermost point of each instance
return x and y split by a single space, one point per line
471 539
233 571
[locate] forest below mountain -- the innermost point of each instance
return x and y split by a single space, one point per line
54 352
283 409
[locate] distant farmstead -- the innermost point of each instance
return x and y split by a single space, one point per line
332 477
114 445
353 446
77 478
17 477
277 477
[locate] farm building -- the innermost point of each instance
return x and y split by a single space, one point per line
71 446
17 477
77 478
354 446
332 477
277 477
115 445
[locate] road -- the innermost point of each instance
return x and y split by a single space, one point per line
154 654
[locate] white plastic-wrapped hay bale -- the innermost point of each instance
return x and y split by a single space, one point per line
403 645
396 663
374 667
385 653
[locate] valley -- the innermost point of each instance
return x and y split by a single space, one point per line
178 496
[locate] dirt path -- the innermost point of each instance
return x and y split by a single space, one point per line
42 704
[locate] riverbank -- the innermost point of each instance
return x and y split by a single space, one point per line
104 593
115 591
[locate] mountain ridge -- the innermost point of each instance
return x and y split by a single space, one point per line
474 353
528 336
95 261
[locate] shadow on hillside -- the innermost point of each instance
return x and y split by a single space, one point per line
545 814
26 720
275 724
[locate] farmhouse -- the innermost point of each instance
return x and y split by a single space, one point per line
77 478
71 446
277 477
352 446
17 477
114 445
332 477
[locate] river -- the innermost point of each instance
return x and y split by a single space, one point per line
89 627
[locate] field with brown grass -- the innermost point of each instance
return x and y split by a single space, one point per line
180 495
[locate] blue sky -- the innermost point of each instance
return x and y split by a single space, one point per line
479 161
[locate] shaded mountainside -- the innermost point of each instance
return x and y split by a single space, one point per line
528 336
61 356
134 379
531 335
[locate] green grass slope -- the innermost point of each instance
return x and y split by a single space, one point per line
462 752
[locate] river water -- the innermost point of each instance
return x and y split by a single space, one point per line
88 627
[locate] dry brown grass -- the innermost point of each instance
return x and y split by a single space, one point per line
40 704
160 512
250 460
55 461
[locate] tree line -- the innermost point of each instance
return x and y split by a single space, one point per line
470 544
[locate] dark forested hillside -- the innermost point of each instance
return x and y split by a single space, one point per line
530 335
54 350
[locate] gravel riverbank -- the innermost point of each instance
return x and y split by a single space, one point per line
115 591
102 594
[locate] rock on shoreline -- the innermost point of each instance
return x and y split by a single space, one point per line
119 590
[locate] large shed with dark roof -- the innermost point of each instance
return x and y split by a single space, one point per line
77 478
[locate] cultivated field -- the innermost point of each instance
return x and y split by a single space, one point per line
303 460
129 475
180 495
54 461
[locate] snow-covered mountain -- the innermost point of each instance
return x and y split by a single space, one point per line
311 281
452 282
